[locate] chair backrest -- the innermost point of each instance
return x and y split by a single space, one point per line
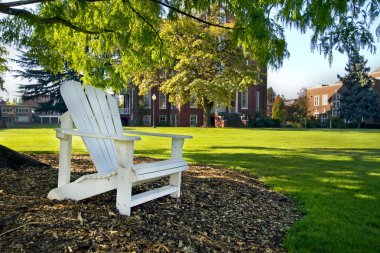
94 111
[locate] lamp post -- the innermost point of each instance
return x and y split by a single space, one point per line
154 99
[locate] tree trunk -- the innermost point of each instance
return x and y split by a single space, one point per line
207 106
14 160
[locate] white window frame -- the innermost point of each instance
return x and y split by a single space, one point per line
162 100
244 99
316 115
258 101
316 100
147 122
325 99
192 116
148 100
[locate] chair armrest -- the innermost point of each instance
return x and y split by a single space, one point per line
174 136
61 132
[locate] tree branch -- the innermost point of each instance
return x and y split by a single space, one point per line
20 3
27 2
149 24
194 17
52 20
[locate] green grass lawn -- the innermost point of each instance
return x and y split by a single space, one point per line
334 174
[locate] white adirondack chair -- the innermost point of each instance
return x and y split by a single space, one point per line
96 117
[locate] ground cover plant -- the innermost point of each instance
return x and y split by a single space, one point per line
332 174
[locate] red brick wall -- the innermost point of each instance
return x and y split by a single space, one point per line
329 90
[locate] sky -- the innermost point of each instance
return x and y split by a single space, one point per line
302 69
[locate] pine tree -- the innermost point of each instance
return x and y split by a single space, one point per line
358 101
278 110
42 83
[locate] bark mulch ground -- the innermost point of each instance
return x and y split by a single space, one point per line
220 210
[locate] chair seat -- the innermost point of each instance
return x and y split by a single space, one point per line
145 171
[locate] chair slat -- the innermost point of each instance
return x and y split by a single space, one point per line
115 114
99 107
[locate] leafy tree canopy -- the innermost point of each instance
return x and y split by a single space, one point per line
106 39
199 63
278 109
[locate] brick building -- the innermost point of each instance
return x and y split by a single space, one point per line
24 113
324 100
138 110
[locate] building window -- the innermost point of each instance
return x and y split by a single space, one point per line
258 101
316 100
162 120
7 110
193 102
324 117
22 110
22 119
162 100
173 120
147 100
244 99
193 120
147 120
325 99
336 100
316 115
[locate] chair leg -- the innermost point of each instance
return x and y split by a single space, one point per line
124 154
124 199
175 180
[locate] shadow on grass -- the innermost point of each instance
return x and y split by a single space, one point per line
337 189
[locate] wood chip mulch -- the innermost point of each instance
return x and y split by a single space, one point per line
219 210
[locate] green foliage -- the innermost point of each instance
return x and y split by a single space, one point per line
42 83
358 101
3 66
300 107
278 109
200 64
271 94
265 121
106 40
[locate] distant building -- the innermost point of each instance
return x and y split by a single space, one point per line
324 100
13 114
24 113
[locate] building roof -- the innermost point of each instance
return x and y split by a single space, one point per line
289 102
325 85
375 73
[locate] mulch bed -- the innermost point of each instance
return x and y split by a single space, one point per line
219 210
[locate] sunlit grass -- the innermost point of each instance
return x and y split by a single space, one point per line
334 175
